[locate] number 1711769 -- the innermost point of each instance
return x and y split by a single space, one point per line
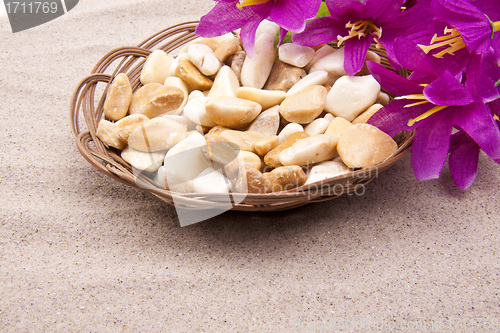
31 7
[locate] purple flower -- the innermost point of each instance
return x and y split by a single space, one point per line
229 15
434 109
357 24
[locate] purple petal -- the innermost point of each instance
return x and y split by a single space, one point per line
383 11
479 77
289 15
310 8
392 82
490 8
430 147
341 7
319 31
223 18
463 160
355 53
447 90
477 121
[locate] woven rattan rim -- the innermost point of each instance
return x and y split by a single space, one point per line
88 102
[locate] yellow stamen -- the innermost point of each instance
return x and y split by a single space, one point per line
496 26
429 113
496 117
244 3
415 96
415 104
360 29
451 38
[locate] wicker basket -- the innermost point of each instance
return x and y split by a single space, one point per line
88 100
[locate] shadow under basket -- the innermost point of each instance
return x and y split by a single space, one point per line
88 100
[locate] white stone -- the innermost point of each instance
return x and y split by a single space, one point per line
327 169
211 181
295 55
176 182
310 150
204 58
351 95
182 119
256 69
320 53
196 112
312 79
317 127
157 134
267 123
267 27
289 130
332 63
146 161
157 67
178 83
266 98
225 84
329 117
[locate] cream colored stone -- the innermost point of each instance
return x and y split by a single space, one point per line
304 106
318 54
272 158
236 63
108 133
155 99
182 119
317 78
364 145
251 180
338 126
227 47
232 112
332 63
249 157
310 150
226 83
157 134
286 178
256 69
317 127
175 182
195 110
295 55
156 68
351 95
204 58
265 145
266 98
118 98
383 98
326 170
365 116
193 78
145 161
267 122
329 117
178 83
284 76
211 181
244 140
289 130
126 125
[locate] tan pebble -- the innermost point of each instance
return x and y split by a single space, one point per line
304 106
317 78
157 134
266 98
251 180
272 158
267 122
203 57
317 127
284 76
226 83
364 145
193 78
145 161
108 133
286 178
327 169
126 125
263 146
214 134
226 48
155 99
118 98
244 140
156 68
288 130
178 83
236 63
363 118
338 126
383 98
310 150
232 112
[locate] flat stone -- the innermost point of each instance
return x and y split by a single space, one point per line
286 178
265 145
338 126
351 95
256 69
312 79
232 112
193 78
317 127
284 76
310 150
272 158
318 54
267 123
204 58
244 140
266 98
364 145
156 68
295 55
289 130
126 125
155 99
107 132
365 116
304 106
226 83
145 161
157 134
333 64
326 170
118 98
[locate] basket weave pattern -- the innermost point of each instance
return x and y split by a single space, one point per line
88 100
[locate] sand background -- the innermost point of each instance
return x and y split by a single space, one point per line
82 253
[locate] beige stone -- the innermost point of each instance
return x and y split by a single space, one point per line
318 54
226 83
286 178
288 130
155 99
251 180
118 98
232 112
126 125
265 145
317 127
272 158
211 181
244 140
317 78
108 133
266 98
332 63
304 106
156 68
365 116
326 170
236 63
178 83
295 55
383 98
204 59
227 47
310 150
157 134
145 161
267 122
284 76
195 110
363 145
256 69
338 126
193 78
